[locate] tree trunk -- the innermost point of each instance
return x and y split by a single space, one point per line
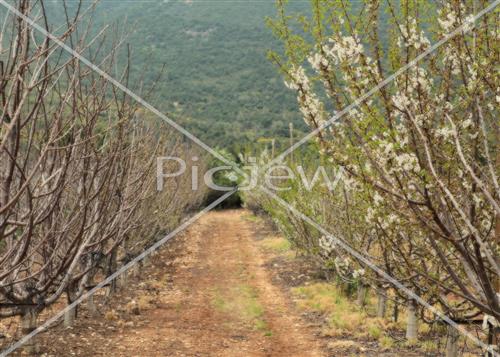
122 280
112 264
381 303
69 317
452 342
138 269
70 314
361 300
91 306
412 322
395 312
492 338
28 324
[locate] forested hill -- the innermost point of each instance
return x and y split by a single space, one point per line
217 80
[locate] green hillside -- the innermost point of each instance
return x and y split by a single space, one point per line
217 80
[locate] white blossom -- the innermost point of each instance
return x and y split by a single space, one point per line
467 123
411 37
317 60
343 49
358 273
448 17
310 106
326 244
370 215
407 161
377 199
445 132
400 100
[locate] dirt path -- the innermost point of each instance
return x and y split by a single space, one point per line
225 303
219 301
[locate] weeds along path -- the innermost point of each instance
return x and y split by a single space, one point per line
210 295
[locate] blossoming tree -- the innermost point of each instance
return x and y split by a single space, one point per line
421 152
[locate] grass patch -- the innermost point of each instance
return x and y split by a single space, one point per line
429 346
252 218
218 302
343 314
246 303
276 244
411 343
261 325
242 303
423 329
342 344
375 332
386 342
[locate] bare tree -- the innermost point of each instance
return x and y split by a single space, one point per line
77 165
